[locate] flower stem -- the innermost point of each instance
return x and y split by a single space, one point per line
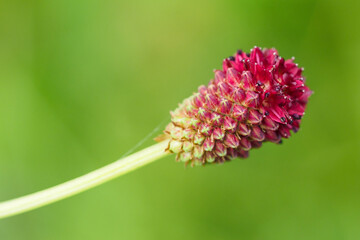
85 182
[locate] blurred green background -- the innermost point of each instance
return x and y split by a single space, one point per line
82 82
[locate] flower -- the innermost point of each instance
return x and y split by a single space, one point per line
255 98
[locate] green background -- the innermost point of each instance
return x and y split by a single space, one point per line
82 82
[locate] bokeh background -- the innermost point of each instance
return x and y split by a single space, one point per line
82 82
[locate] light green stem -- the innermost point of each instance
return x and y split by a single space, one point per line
85 182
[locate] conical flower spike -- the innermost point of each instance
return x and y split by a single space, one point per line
255 98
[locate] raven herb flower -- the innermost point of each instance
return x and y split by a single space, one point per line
255 98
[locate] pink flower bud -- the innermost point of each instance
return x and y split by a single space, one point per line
220 149
231 140
255 98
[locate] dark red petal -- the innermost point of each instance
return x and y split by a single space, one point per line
238 95
243 129
233 77
245 144
212 89
284 131
220 149
209 144
254 116
252 99
231 140
272 136
218 134
247 80
199 100
224 89
225 106
243 154
269 124
277 114
226 64
257 56
212 101
230 124
219 76
216 119
239 112
270 56
256 144
296 108
257 134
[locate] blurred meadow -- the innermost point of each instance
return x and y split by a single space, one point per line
82 82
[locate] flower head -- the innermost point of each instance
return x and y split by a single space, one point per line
256 97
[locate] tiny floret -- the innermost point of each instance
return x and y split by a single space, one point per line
255 98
